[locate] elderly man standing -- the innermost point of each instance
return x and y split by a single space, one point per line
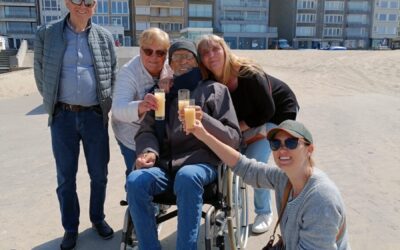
168 159
75 66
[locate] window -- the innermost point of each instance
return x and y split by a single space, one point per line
254 28
116 21
306 4
394 5
175 12
382 17
306 18
48 19
305 31
356 32
200 10
20 27
125 8
231 27
354 18
383 4
102 7
233 15
332 32
127 41
164 12
142 10
19 12
119 7
334 5
256 15
50 5
169 26
334 19
125 22
142 25
392 17
383 30
358 5
200 24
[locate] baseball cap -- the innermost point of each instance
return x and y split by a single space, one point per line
294 128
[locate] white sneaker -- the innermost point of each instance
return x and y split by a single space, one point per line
261 223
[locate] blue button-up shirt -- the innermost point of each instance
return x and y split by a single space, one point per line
78 80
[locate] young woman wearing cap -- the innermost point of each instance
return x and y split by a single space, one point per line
261 103
314 216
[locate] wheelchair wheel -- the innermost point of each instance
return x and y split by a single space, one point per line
128 239
238 225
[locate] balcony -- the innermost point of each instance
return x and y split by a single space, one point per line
246 4
29 3
18 19
165 3
19 32
17 1
242 18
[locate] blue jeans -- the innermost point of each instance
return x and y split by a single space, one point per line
67 131
129 157
187 185
260 151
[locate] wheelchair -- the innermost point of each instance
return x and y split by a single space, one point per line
226 219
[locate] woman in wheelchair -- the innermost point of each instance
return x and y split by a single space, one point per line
170 160
313 215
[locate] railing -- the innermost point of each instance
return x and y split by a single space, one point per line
17 60
19 16
17 1
246 4
20 31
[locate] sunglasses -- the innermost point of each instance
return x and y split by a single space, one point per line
290 143
88 3
150 52
181 57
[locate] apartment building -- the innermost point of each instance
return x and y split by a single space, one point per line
323 23
50 10
244 23
114 15
18 21
385 22
358 20
198 19
166 15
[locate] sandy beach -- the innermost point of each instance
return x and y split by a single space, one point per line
350 100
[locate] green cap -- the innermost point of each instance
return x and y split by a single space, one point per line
293 128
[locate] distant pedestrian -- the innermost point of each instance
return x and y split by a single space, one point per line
74 66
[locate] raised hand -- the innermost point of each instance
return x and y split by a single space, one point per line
146 160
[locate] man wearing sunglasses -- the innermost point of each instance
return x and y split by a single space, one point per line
75 66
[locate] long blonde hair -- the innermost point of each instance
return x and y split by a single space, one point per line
231 62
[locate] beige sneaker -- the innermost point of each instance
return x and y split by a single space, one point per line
261 224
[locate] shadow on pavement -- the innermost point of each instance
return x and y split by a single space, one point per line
87 239
39 110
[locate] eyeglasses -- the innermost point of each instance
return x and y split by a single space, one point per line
88 3
159 53
181 57
290 143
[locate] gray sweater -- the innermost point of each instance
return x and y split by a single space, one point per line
312 219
